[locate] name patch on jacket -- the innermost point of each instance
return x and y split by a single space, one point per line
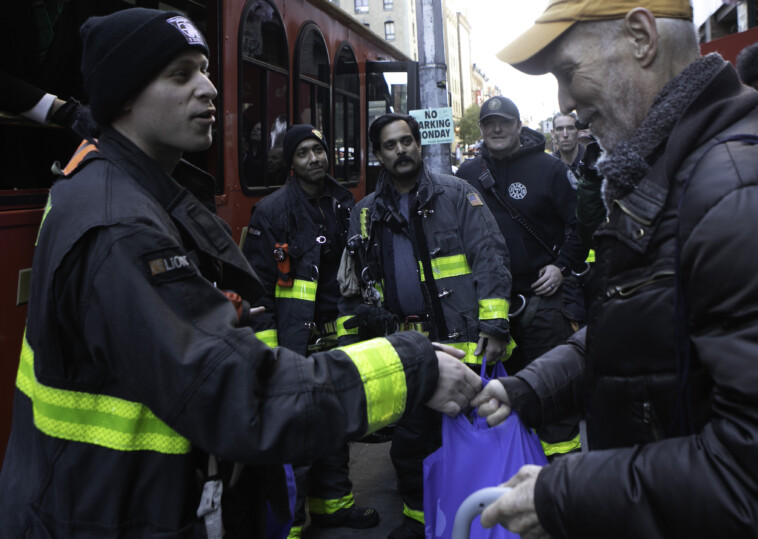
168 265
474 199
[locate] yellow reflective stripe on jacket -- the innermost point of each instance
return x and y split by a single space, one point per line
48 206
341 331
492 309
418 516
383 379
305 290
591 256
447 266
561 447
269 337
296 532
364 223
95 419
320 506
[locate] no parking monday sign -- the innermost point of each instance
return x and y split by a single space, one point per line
436 125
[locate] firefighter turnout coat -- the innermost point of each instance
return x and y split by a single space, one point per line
134 369
284 217
468 258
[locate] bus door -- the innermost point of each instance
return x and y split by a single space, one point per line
390 87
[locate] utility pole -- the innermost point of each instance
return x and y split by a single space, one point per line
432 74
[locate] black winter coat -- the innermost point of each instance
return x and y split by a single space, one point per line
643 477
543 190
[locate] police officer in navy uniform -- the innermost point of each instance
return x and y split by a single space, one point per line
143 407
294 243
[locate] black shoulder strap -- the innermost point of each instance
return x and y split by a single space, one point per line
488 182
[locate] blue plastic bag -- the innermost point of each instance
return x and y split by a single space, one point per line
473 456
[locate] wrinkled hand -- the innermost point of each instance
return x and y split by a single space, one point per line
456 385
494 349
550 279
515 509
493 403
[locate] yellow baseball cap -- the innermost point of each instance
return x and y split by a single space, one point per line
560 15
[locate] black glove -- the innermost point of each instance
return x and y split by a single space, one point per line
588 166
77 118
379 321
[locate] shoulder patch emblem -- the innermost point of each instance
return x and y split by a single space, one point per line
169 265
474 199
517 190
256 233
162 265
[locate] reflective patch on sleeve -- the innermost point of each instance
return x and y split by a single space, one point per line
168 265
474 199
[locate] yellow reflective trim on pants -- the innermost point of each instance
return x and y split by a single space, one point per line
269 337
561 447
591 256
95 419
296 532
447 266
304 290
320 506
383 377
412 513
493 309
341 331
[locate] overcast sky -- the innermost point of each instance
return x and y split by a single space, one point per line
495 23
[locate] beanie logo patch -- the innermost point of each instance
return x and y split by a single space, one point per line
318 134
190 32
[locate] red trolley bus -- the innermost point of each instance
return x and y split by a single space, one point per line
275 62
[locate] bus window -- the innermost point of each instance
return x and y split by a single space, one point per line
312 97
346 116
264 94
390 87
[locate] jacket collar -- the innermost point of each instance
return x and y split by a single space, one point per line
426 187
151 177
714 103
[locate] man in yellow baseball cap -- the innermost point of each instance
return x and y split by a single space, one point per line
664 371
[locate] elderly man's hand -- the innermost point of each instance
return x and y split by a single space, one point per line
457 384
493 403
515 509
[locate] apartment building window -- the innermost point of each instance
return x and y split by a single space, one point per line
389 5
361 6
389 31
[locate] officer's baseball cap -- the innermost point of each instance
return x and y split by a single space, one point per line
560 15
499 106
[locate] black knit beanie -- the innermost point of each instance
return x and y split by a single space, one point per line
122 52
297 134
